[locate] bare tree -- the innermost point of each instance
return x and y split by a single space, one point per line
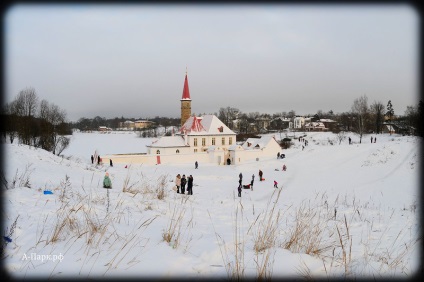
377 111
52 118
341 136
25 107
227 115
360 109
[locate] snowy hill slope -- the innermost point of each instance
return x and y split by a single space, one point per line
363 198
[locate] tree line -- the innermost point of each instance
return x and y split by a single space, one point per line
34 123
362 118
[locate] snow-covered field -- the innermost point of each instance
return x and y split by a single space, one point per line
339 211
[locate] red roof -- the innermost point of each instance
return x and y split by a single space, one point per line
186 92
195 126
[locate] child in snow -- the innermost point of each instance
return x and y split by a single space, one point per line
107 183
239 190
275 184
284 167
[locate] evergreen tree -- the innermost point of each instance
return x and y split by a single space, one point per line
390 112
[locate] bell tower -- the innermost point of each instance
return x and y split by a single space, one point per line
185 102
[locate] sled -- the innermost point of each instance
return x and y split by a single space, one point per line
246 186
263 179
47 192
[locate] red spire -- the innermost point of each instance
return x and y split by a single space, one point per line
186 92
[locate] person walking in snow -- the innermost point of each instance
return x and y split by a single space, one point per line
240 177
183 183
178 182
350 141
92 159
375 139
278 155
239 190
107 183
110 162
190 185
196 165
260 175
275 184
251 184
284 167
98 159
371 139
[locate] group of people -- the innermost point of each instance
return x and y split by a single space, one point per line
99 160
182 181
305 143
375 139
253 179
239 188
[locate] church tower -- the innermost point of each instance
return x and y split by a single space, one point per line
185 102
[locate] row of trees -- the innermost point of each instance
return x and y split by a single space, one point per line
362 118
90 124
371 118
39 124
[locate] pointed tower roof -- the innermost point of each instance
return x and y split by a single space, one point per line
186 92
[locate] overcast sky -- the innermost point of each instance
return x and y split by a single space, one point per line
130 60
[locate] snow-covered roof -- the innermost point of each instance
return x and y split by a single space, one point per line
315 124
205 125
168 141
326 120
235 147
257 143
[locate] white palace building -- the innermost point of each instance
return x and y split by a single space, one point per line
204 139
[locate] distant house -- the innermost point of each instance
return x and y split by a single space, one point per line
138 124
315 126
399 127
281 123
104 129
330 124
298 122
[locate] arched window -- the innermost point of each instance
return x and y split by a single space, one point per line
177 151
158 152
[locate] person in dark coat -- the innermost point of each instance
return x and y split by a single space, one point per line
241 177
350 141
239 190
228 161
190 185
183 183
251 182
92 159
196 165
260 175
110 162
98 159
278 155
375 139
